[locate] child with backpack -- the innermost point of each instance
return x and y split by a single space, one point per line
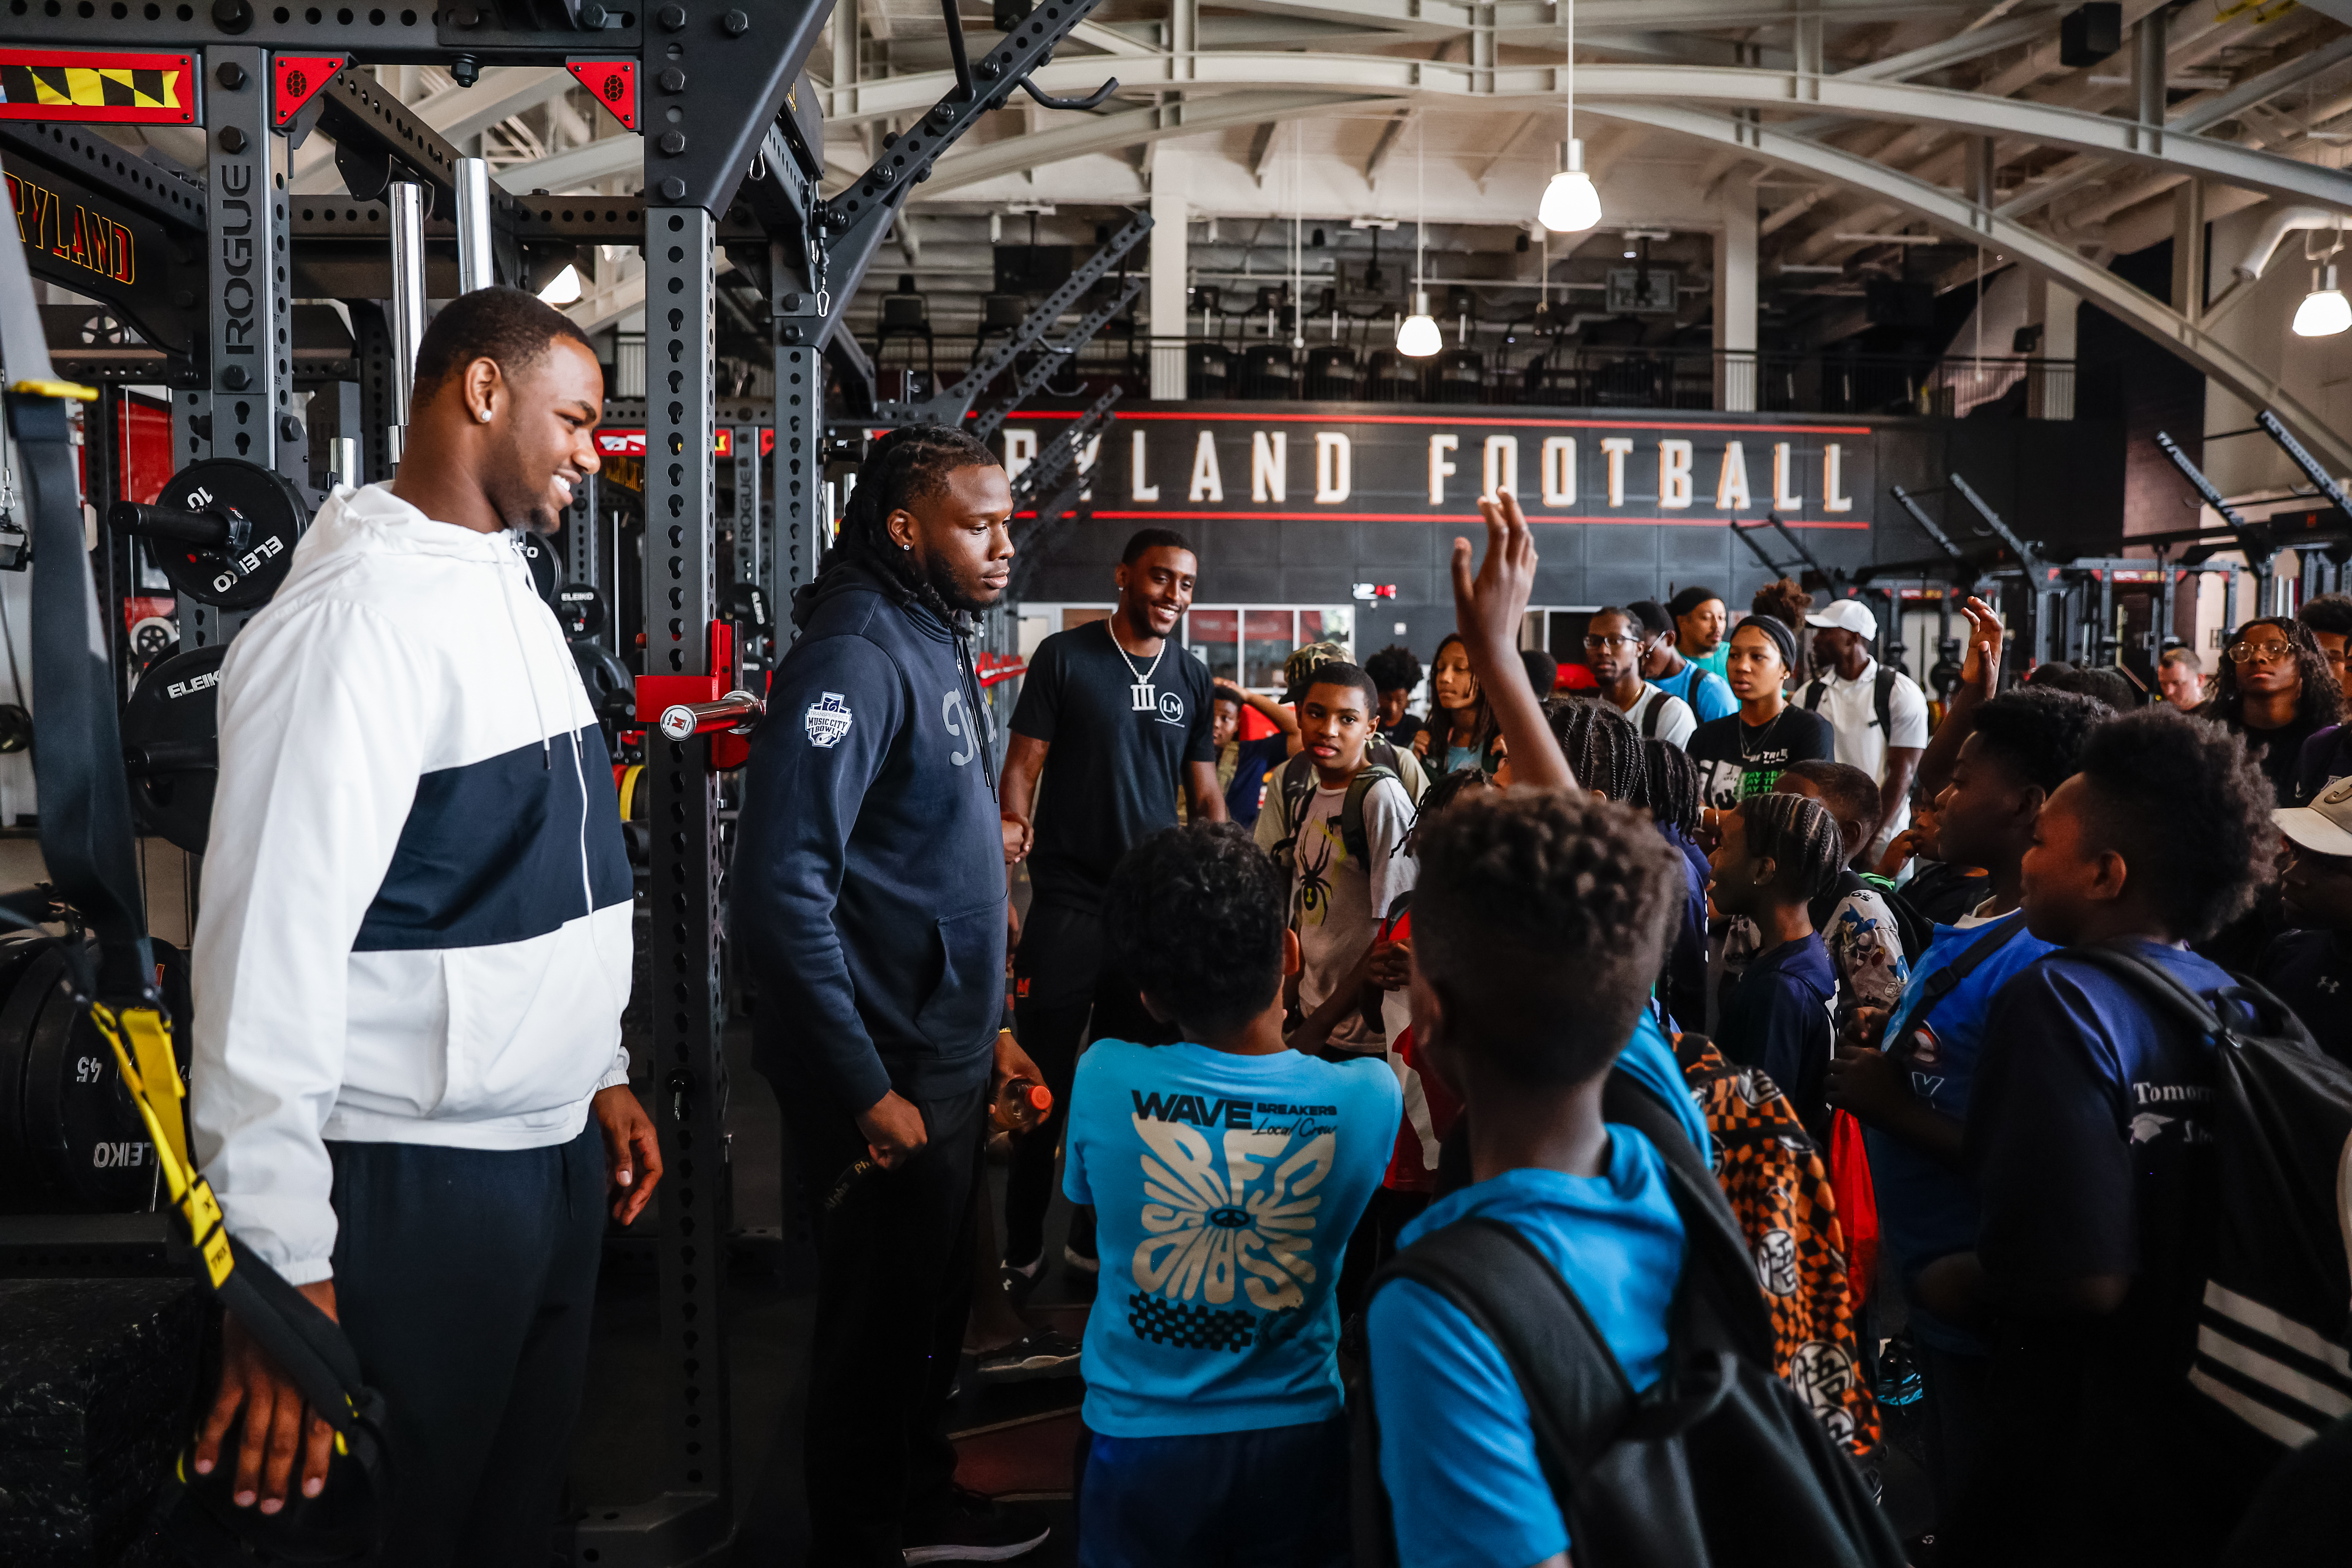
1906 1074
1774 854
1226 1174
2092 1142
1338 829
1861 922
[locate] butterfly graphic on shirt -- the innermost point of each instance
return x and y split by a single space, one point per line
1234 1215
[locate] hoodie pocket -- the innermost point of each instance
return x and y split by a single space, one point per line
964 1006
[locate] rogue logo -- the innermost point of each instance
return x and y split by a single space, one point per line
235 182
46 221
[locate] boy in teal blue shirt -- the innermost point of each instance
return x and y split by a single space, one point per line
1226 1174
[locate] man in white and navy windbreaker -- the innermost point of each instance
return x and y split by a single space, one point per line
408 1086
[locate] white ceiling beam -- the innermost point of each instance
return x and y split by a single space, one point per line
1261 149
1390 135
1972 225
504 91
1135 127
1437 83
1952 51
1109 41
576 167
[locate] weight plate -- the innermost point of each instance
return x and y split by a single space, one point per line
167 726
16 729
19 1009
747 606
82 1134
238 580
612 690
540 556
152 634
582 610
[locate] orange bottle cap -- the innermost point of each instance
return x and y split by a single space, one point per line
1041 1097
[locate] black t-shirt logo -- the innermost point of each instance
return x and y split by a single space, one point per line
1172 707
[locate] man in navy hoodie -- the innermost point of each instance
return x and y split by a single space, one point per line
868 903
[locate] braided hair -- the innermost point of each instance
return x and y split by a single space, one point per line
1799 835
904 467
1674 790
1603 749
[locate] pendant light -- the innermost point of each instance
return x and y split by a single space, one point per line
1571 205
2323 311
1417 337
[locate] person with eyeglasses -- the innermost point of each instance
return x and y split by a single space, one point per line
1614 641
2277 689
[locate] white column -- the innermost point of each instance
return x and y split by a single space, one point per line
1170 297
1735 297
2050 385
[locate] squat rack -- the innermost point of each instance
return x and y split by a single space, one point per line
733 160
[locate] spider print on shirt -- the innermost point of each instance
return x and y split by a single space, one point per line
1320 855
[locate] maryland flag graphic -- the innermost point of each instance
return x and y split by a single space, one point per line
92 86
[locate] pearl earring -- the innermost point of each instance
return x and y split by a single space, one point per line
484 416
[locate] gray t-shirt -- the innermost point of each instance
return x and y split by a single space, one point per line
1337 905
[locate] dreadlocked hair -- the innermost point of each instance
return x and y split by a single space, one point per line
905 466
1673 789
1603 749
1785 601
1443 792
1799 835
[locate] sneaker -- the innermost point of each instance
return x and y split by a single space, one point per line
1045 1353
1080 1261
976 1528
1898 1373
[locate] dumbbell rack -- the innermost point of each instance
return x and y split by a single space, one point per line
733 159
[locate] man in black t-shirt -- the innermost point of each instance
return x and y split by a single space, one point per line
1112 714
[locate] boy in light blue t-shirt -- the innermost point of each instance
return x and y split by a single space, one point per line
1227 1173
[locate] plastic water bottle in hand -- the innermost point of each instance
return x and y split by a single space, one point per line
1021 1105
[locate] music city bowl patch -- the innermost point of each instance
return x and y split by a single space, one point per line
828 720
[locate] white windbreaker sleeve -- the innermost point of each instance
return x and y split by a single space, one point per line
324 718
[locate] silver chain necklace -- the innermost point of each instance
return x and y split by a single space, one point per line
1746 756
1142 697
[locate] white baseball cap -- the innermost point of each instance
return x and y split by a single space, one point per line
1846 615
2325 827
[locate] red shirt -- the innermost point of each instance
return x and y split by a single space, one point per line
1430 1107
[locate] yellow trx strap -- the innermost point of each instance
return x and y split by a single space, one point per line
151 1044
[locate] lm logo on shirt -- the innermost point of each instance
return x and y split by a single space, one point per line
1172 707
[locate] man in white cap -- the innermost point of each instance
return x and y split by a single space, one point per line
1880 714
2310 967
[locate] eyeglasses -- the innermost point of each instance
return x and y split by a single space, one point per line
2268 651
1592 641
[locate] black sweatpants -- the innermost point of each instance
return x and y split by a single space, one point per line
894 1288
465 1279
1065 998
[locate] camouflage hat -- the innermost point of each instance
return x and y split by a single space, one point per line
1304 661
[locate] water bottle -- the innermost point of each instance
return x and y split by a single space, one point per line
1021 1105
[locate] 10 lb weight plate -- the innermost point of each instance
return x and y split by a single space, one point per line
222 530
171 746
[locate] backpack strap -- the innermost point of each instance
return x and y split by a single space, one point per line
1881 702
1296 785
1649 715
2273 1018
1814 692
1941 984
1351 812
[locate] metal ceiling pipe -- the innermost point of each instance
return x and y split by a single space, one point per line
474 268
2273 233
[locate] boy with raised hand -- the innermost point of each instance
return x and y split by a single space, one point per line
1344 847
1540 919
1907 1074
2089 1142
1226 1174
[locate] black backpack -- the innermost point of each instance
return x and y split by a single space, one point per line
1882 696
1298 784
1720 1465
2273 1329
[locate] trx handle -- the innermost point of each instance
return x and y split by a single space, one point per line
305 1343
224 529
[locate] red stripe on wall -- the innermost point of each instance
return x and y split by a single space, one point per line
1464 518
